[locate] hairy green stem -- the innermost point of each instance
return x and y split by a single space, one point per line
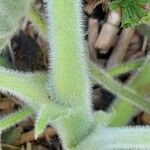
127 138
21 84
69 74
38 22
69 69
48 114
125 68
122 91
15 117
11 13
124 111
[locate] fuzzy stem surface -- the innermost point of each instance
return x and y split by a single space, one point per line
124 111
69 84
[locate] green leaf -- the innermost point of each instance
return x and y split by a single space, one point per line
38 22
11 13
102 118
125 68
132 12
41 121
14 118
49 114
10 135
21 84
114 5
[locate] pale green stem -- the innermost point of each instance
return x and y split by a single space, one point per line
37 20
103 118
49 113
41 121
127 138
124 92
69 73
124 111
69 76
29 88
15 117
11 13
125 68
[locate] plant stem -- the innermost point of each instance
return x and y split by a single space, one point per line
15 118
127 138
69 73
37 20
113 72
124 111
20 85
122 91
69 69
125 68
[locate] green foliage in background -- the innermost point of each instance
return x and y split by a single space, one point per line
132 11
